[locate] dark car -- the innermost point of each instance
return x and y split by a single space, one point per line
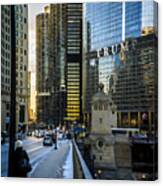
29 133
47 141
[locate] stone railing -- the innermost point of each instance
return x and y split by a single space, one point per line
81 170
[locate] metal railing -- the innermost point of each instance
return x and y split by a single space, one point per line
81 170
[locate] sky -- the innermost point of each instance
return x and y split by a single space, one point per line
33 10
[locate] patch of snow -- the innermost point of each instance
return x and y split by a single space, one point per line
68 165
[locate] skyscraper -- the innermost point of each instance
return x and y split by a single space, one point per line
21 27
74 62
133 85
42 66
64 63
57 37
111 23
21 21
5 62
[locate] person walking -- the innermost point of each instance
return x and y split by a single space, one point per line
21 161
54 138
7 122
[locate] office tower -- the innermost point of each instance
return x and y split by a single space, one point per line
21 33
64 63
21 21
42 66
149 17
57 33
5 63
74 62
134 85
111 23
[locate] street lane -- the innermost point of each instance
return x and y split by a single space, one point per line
56 163
34 148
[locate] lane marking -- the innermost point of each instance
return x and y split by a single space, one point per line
34 149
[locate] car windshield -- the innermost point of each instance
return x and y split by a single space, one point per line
47 137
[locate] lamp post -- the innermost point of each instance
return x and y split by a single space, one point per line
12 127
55 147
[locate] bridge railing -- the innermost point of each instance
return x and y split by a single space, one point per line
81 170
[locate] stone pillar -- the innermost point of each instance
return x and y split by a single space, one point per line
129 118
150 121
119 119
139 119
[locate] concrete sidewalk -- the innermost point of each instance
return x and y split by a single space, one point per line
52 165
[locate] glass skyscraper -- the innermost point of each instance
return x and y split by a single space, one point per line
133 21
111 23
105 21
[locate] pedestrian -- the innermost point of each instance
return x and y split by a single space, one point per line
54 137
21 161
7 122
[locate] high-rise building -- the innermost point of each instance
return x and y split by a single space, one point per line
21 33
74 24
5 62
134 84
57 37
42 66
64 63
21 21
108 24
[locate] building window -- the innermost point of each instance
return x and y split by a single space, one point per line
100 106
95 107
100 120
105 106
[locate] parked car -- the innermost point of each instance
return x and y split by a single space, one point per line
47 141
39 133
29 133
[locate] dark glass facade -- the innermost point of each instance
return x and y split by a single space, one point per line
42 68
134 87
74 62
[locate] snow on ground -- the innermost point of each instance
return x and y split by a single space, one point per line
68 166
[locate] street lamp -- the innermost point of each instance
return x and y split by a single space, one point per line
99 173
12 128
55 147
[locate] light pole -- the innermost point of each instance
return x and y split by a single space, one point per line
12 127
55 147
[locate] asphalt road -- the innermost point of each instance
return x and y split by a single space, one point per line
34 148
56 164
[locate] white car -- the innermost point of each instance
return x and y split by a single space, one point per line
47 141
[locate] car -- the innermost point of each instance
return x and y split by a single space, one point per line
29 133
39 133
47 141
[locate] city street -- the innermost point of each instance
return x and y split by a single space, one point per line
46 161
